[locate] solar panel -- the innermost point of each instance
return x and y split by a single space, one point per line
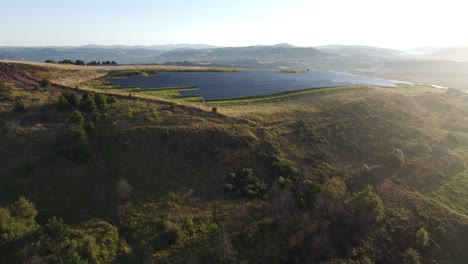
222 85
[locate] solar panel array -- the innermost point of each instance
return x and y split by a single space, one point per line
222 85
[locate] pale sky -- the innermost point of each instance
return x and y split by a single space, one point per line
399 24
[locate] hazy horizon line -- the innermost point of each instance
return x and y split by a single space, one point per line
221 46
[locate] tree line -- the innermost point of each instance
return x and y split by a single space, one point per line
82 63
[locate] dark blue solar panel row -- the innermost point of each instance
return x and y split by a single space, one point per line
220 85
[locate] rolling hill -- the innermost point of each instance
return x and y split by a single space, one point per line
347 175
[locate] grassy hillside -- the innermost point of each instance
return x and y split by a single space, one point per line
346 175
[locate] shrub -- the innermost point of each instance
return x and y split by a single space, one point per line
411 256
88 103
422 237
45 83
112 99
369 201
214 110
101 100
72 98
246 183
55 229
89 126
76 118
62 103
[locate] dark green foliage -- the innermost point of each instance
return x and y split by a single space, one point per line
214 110
17 221
76 259
246 183
422 237
411 256
45 83
72 98
55 229
63 103
88 103
89 127
112 99
76 118
370 202
101 100
79 62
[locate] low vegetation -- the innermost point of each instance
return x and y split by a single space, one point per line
348 175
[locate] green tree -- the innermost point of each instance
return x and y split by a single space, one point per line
76 118
72 98
55 229
101 100
422 237
24 209
62 103
88 103
369 201
45 83
17 221
411 256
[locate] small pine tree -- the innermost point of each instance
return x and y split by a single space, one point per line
45 83
411 256
63 103
101 100
76 118
422 237
88 103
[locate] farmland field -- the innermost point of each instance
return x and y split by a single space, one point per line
223 85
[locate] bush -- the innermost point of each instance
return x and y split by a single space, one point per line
370 202
246 183
411 256
89 127
101 100
55 229
76 118
45 83
422 237
214 110
112 99
88 103
63 103
72 98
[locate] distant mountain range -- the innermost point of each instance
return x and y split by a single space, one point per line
255 55
433 65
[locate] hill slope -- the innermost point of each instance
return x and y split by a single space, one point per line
345 175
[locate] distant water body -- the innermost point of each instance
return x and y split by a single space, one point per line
223 85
